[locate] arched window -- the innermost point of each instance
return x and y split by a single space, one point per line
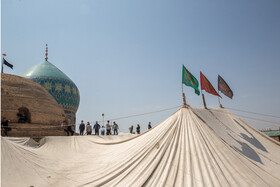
24 115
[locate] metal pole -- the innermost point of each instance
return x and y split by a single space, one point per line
221 106
3 62
204 103
219 98
2 66
184 98
103 119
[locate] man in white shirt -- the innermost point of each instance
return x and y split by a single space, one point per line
108 128
115 127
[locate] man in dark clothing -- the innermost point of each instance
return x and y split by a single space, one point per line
82 128
70 127
138 129
67 128
64 126
5 127
22 118
149 126
96 128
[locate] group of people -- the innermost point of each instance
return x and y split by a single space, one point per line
138 128
108 129
96 127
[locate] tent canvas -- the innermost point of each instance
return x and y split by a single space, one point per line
193 147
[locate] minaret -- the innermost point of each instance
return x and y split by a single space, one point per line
46 52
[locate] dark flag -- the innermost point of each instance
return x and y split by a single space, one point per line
7 63
223 87
207 86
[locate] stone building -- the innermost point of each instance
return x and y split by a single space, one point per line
20 96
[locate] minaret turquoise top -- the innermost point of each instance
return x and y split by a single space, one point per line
59 85
45 69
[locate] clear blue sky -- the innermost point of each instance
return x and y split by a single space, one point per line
126 56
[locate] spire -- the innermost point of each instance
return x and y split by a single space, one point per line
46 52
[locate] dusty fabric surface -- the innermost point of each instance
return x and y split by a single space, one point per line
193 147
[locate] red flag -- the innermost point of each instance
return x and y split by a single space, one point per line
207 86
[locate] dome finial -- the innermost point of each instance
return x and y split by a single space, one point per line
46 52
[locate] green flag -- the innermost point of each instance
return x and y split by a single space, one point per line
189 80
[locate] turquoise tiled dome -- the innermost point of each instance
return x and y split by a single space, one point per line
59 85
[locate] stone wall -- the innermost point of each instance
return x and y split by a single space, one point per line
17 92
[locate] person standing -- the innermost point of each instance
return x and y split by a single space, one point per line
131 129
5 124
108 128
103 130
149 125
115 127
82 128
138 129
69 127
89 129
22 118
64 126
96 128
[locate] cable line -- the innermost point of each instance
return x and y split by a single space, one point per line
260 120
135 115
268 115
265 122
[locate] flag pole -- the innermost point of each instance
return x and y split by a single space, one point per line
203 98
3 62
221 106
183 94
219 98
2 65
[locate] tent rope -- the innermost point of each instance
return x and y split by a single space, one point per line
136 115
260 121
268 115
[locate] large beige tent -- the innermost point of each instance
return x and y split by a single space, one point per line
193 147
